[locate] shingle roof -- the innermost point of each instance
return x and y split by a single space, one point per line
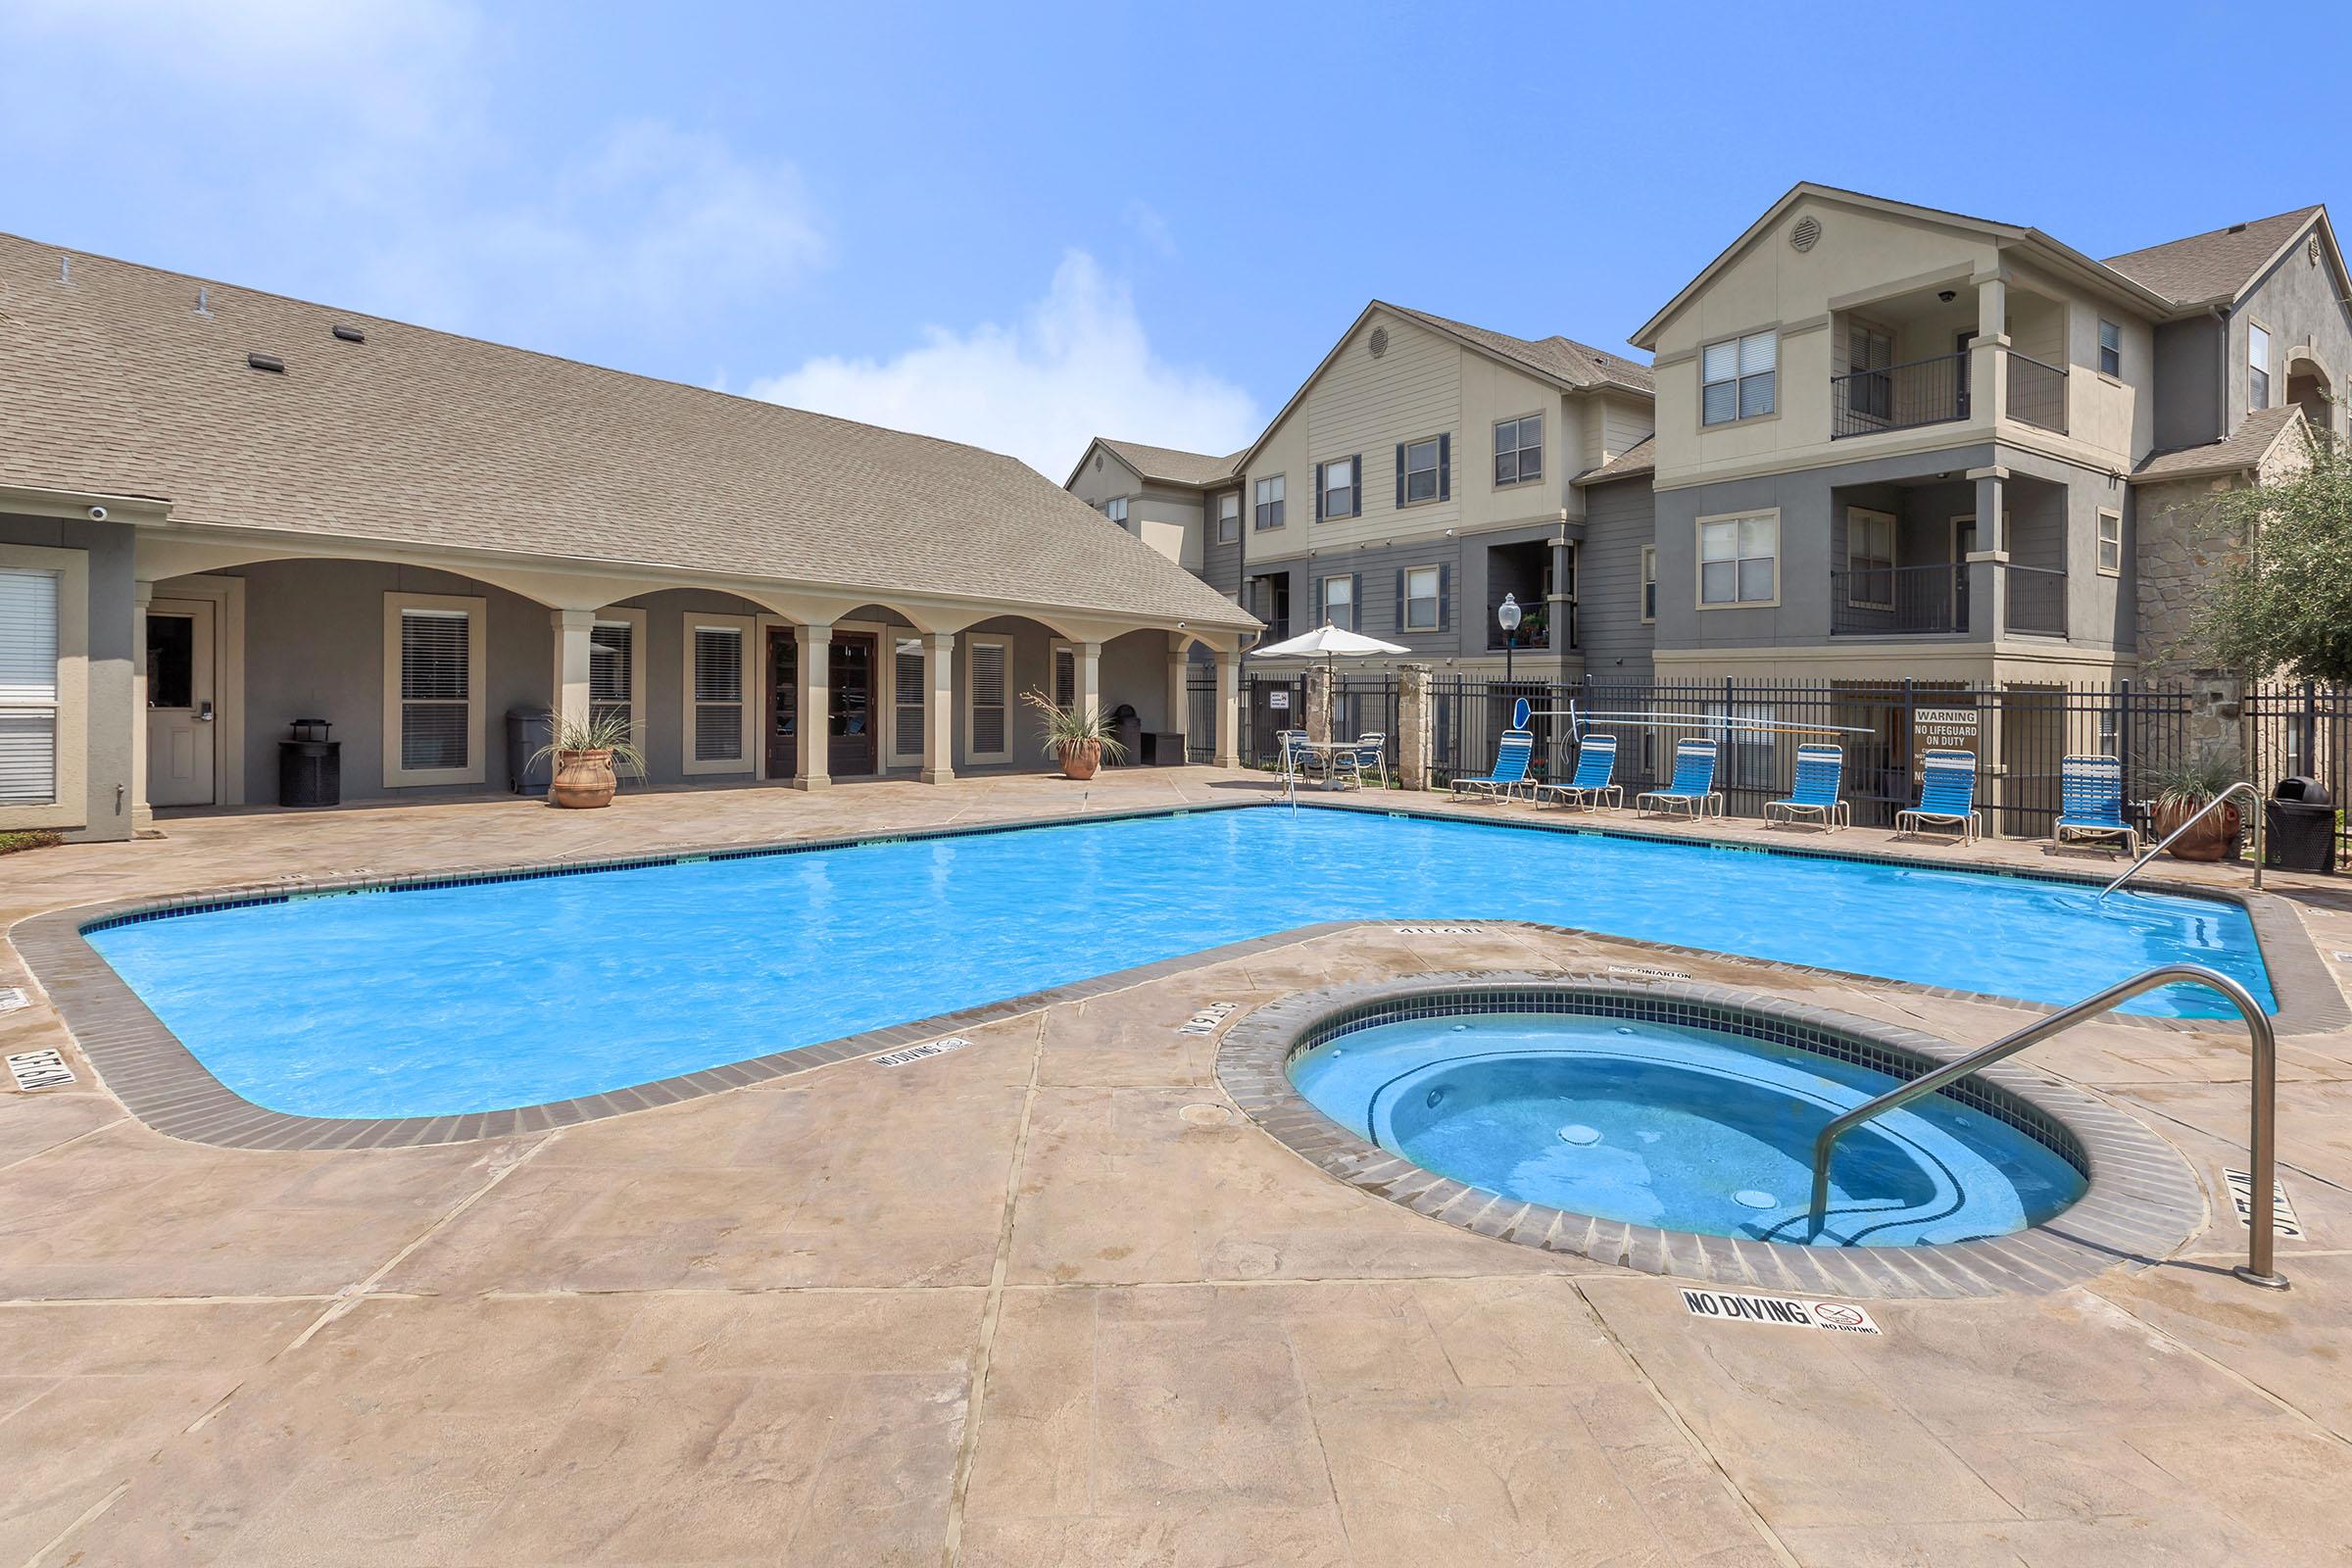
2214 265
2244 447
1579 365
1171 465
1634 461
114 383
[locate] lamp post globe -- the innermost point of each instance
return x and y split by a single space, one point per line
1507 616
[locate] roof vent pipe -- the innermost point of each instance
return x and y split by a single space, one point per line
65 269
204 301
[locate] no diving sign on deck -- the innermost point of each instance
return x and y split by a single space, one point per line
1836 1317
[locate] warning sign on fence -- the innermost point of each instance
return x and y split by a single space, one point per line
1945 728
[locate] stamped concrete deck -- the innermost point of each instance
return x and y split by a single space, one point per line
1049 1300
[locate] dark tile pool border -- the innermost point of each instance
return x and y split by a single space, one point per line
2143 1200
163 1083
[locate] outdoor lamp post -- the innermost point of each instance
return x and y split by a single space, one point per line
1508 617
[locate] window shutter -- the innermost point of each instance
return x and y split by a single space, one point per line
1318 492
1356 601
1318 600
1355 467
1401 475
1445 467
1400 615
1444 597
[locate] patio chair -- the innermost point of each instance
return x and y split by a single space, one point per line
1510 769
1947 793
1369 752
1693 787
1297 759
1595 768
1820 771
2090 803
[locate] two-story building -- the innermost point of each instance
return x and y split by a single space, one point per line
1423 472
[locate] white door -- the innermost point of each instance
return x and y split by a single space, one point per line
180 709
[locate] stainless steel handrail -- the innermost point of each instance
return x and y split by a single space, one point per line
2265 1113
2253 817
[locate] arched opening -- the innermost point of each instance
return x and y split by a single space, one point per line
2310 388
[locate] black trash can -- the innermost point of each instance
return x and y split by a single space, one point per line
1130 732
529 730
2298 826
309 766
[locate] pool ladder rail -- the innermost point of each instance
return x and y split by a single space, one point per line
2258 1269
2253 817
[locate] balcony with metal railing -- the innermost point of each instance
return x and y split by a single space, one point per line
2036 393
1900 397
1899 600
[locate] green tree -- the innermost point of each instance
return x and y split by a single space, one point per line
2283 604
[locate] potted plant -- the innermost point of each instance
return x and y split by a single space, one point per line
586 753
2185 787
1078 738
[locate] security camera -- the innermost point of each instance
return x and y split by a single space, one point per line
97 514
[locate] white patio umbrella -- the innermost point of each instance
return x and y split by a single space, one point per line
1330 644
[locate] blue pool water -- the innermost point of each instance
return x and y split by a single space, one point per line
442 1001
1685 1129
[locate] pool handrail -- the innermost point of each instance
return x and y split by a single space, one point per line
2264 1132
2253 817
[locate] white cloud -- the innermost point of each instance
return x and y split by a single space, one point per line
1078 365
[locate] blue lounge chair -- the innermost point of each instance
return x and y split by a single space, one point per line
1820 769
1370 753
1596 766
1510 769
1298 757
1947 793
2091 803
1693 786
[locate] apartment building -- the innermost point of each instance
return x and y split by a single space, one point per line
1889 441
1421 473
1898 440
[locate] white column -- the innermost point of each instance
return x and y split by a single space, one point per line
142 815
569 700
1090 677
815 706
939 708
1228 753
1988 362
1180 689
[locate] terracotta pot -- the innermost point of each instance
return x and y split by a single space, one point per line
2214 839
1080 761
583 781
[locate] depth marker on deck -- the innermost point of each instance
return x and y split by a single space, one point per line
922 1052
2242 1198
11 997
39 1069
1205 1021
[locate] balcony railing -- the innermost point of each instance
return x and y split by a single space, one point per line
2037 598
1900 397
2036 393
1534 632
1898 601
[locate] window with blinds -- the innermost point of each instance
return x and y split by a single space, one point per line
1066 677
991 724
611 667
907 697
29 692
436 687
717 693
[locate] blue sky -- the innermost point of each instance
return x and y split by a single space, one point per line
1018 225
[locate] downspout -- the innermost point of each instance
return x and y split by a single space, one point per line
2221 408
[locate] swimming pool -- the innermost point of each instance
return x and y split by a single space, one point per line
444 999
1680 1127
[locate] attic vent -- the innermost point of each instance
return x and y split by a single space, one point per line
1098 463
2311 250
2238 228
1379 344
1806 233
351 334
267 361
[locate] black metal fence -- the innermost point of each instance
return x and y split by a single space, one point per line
2304 730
